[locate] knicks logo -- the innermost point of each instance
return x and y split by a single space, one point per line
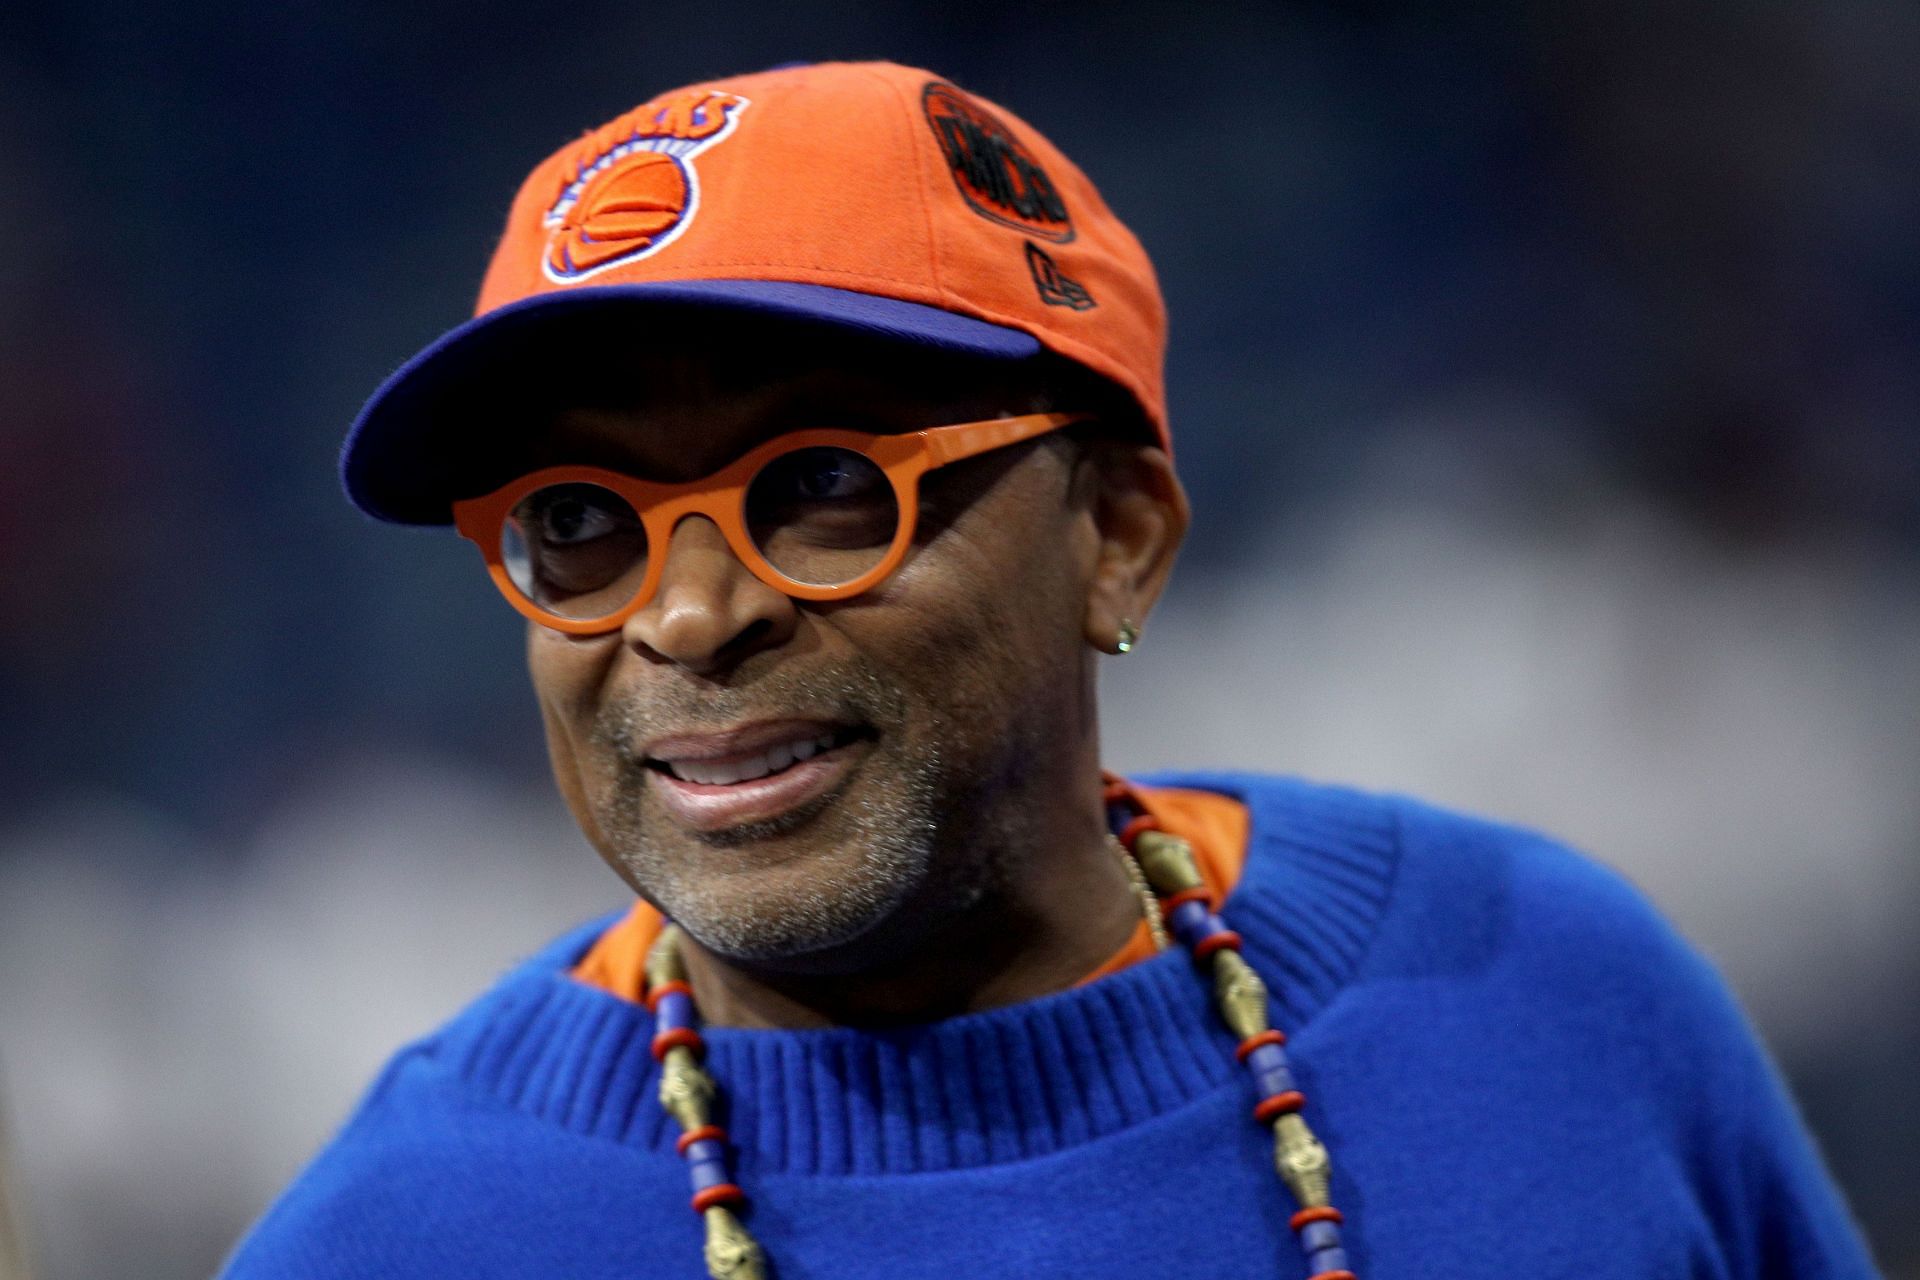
630 188
999 176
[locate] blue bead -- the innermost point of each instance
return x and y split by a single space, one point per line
1201 924
1268 1057
706 1149
1316 1236
1324 1260
1270 1074
1190 922
674 1012
707 1173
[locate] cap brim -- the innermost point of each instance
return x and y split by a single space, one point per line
398 464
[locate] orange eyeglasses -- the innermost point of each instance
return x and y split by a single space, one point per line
819 514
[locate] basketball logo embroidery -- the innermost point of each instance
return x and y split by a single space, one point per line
631 187
996 172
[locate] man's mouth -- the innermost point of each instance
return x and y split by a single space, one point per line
756 773
748 766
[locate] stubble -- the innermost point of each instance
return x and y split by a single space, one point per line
869 846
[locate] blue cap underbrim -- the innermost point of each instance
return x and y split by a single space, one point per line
394 465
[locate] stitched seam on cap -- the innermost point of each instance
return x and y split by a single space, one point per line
914 144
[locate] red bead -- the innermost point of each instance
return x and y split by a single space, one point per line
656 994
701 1134
1322 1213
1257 1039
1145 822
725 1193
1115 792
1334 1275
1279 1104
1173 902
672 1039
1214 941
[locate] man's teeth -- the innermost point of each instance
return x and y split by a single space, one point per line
714 773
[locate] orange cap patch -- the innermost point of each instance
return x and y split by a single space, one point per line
997 173
633 187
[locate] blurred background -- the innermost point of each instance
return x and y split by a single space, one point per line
1546 386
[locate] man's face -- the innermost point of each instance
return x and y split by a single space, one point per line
898 733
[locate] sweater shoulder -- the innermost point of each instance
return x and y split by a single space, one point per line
1482 872
1581 967
1475 891
1496 914
1363 885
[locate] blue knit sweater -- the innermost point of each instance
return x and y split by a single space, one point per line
1518 1068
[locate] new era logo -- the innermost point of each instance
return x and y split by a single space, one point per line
1057 289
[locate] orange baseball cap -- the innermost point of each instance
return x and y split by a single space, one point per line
870 196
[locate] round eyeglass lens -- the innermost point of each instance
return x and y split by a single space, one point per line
575 550
823 516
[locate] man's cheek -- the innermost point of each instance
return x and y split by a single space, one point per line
964 670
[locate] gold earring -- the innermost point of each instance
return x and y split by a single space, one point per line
1128 635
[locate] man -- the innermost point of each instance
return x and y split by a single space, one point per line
814 422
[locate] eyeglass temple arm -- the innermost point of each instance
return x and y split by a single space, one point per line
951 444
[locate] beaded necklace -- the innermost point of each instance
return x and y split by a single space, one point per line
1162 870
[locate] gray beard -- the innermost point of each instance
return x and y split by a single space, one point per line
900 833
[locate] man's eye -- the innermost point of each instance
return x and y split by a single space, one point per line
822 475
566 521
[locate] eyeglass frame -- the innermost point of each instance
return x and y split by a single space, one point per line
721 496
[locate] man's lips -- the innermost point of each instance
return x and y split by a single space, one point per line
752 773
747 751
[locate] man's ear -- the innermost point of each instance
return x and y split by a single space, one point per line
1140 514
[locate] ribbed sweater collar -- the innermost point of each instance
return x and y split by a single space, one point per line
1006 1084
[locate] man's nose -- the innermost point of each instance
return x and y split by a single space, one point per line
710 611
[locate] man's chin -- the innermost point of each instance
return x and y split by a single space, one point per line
802 892
787 919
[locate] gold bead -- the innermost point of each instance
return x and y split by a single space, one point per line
1303 1162
686 1090
732 1253
664 963
1239 993
1167 861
